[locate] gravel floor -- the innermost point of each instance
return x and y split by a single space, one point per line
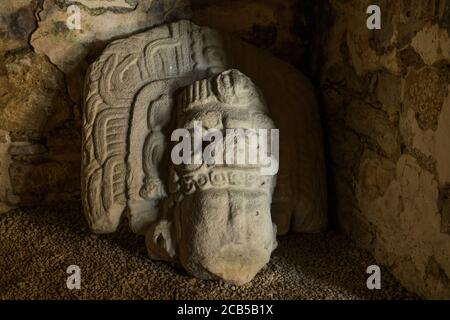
38 244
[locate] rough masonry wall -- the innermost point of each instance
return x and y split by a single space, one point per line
43 64
287 28
387 116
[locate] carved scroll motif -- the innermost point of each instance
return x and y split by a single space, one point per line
128 107
133 81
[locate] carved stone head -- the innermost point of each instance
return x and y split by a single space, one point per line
217 222
212 216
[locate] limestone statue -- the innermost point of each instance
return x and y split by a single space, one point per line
133 101
216 219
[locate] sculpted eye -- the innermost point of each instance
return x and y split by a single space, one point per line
257 213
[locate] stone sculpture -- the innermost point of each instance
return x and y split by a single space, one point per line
130 106
216 219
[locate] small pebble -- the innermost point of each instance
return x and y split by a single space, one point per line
316 266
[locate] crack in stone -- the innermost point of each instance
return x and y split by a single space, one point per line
37 10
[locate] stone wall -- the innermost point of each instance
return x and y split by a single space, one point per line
39 149
386 103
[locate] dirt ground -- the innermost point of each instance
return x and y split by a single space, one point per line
38 244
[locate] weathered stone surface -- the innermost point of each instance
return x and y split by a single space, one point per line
442 147
391 196
100 6
42 25
433 44
362 55
389 88
31 173
284 27
425 91
431 143
33 104
32 94
409 218
375 126
134 80
17 22
7 200
375 175
28 149
37 179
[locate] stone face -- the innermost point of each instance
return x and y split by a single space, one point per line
129 101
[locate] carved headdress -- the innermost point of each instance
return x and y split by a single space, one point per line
129 104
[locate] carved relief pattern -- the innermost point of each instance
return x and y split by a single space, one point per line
225 178
135 80
119 161
237 229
